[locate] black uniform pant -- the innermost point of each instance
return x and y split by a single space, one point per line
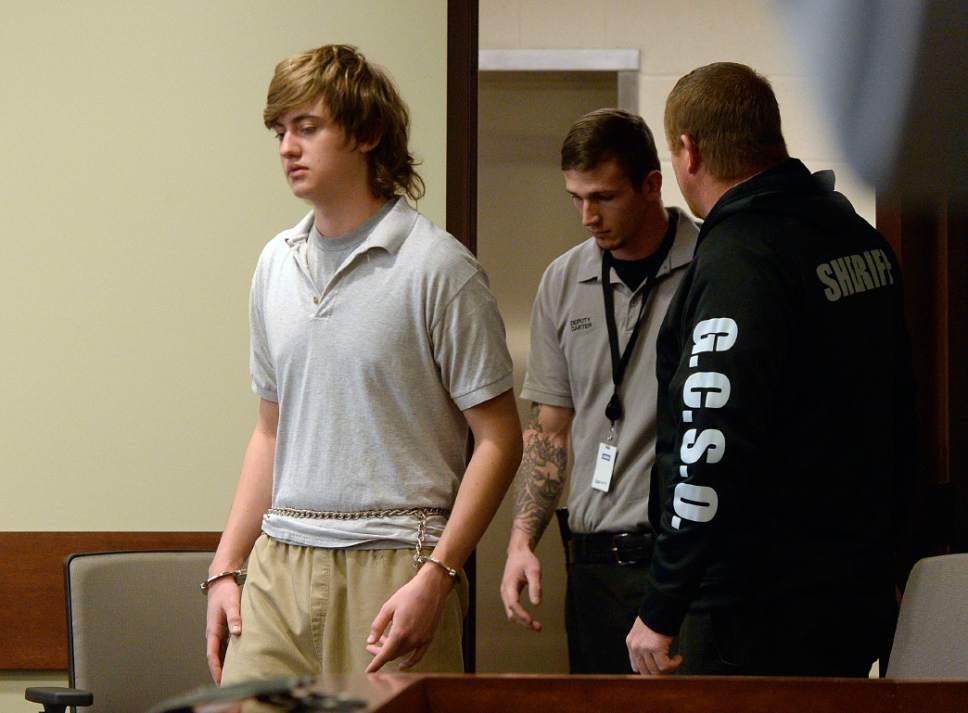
832 635
601 603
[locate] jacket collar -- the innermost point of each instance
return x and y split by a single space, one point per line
680 254
785 178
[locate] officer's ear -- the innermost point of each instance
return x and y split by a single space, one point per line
693 157
652 183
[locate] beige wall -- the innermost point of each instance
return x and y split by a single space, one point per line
521 230
139 186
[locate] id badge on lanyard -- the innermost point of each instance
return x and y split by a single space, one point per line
607 450
604 467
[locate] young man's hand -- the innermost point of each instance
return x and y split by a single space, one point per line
412 615
649 651
522 567
222 619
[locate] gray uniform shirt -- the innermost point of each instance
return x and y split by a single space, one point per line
371 374
569 366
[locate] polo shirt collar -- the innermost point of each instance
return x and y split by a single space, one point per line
299 233
684 245
388 234
679 254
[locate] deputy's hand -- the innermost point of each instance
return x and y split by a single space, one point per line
522 567
412 615
649 651
222 619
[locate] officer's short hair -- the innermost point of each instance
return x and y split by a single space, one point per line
731 113
611 134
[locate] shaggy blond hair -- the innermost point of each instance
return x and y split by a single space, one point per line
362 100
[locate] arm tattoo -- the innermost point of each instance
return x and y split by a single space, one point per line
541 478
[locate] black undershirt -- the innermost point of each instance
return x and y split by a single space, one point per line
633 272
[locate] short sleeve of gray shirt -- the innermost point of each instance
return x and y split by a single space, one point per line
262 373
547 379
467 327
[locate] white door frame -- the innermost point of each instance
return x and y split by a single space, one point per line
624 62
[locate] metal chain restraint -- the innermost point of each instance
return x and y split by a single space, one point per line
422 515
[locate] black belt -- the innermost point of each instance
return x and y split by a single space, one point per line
622 548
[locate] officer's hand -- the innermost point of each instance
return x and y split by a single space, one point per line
649 651
221 620
522 567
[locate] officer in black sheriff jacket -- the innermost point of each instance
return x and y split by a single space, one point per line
785 413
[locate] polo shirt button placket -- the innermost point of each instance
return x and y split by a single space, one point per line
324 304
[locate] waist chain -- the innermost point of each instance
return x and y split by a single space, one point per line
422 515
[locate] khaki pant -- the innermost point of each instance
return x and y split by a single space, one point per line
308 610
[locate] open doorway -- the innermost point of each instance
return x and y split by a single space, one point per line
525 220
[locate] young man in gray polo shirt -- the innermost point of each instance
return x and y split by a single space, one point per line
596 391
375 345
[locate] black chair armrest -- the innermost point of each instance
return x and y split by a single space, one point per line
55 699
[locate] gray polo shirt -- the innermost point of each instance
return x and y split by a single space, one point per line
371 372
569 366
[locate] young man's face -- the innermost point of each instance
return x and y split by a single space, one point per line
318 161
611 208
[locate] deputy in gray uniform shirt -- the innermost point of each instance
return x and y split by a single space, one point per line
593 387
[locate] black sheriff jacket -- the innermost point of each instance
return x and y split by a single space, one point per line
785 408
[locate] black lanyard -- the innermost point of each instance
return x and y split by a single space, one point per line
614 410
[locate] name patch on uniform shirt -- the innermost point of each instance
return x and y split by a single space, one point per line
853 274
580 323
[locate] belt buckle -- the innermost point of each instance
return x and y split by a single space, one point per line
615 549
